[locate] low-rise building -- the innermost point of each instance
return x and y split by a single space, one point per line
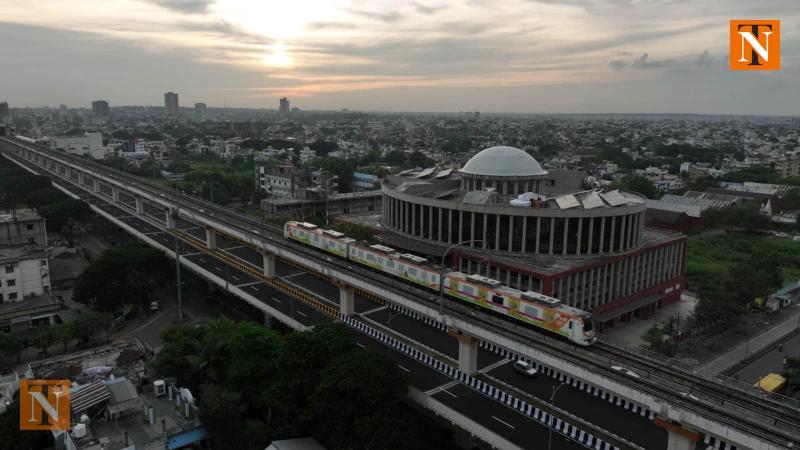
89 144
287 181
24 272
365 182
22 226
787 167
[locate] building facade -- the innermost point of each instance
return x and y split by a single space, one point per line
787 167
283 106
199 111
90 144
171 103
504 216
24 269
365 182
100 108
287 181
22 227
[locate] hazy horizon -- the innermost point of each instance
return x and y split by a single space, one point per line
504 56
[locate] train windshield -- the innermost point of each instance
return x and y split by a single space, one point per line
588 324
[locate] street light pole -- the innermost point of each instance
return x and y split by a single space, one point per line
442 269
550 421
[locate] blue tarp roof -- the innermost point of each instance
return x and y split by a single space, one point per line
187 437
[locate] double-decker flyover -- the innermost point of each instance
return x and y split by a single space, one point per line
690 409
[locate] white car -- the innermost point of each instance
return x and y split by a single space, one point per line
154 306
525 368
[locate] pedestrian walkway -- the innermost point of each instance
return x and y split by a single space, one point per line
752 345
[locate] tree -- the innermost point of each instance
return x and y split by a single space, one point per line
64 216
791 371
12 438
743 216
637 183
44 196
123 275
11 345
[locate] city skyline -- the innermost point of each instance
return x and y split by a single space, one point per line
603 56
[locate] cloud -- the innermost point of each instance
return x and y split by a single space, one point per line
224 28
184 6
644 62
387 17
425 9
703 59
618 64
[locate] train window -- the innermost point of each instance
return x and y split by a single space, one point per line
370 257
569 324
467 289
424 275
497 299
412 271
390 264
588 324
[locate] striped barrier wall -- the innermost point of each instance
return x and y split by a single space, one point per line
525 408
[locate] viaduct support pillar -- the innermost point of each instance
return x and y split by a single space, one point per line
346 300
211 238
115 194
269 265
467 352
269 321
95 185
170 219
679 438
139 205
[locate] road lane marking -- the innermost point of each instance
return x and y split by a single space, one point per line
504 422
235 277
201 259
277 300
403 368
360 344
301 313
254 288
449 393
218 268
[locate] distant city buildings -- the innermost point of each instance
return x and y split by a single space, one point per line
365 182
199 111
5 112
171 103
100 108
283 108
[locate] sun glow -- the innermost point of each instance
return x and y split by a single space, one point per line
279 56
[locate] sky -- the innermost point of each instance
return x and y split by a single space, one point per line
535 56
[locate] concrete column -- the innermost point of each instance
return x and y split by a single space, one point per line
511 233
679 438
467 352
440 236
95 185
269 321
591 235
472 229
552 234
524 234
460 226
450 225
602 235
115 194
346 300
611 236
269 265
211 238
538 231
497 233
580 235
485 229
139 205
566 236
170 220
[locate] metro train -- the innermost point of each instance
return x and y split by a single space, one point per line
528 307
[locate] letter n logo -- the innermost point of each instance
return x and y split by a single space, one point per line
44 405
755 45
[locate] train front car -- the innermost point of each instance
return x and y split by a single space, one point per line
326 240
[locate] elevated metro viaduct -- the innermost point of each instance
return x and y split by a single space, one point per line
685 418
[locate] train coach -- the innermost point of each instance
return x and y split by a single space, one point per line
532 308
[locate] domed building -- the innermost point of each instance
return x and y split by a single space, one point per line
504 216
